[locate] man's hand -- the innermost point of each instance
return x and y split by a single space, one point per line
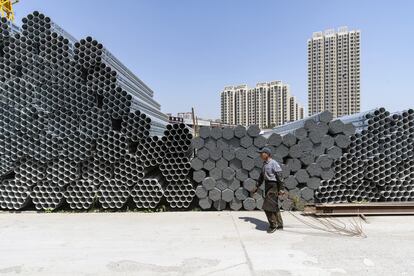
282 193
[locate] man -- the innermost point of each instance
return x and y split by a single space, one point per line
271 175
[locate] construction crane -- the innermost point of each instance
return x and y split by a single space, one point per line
6 8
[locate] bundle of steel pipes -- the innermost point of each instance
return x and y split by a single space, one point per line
71 135
78 130
176 166
378 165
148 192
227 165
13 195
80 195
308 149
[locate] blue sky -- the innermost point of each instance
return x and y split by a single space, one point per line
188 50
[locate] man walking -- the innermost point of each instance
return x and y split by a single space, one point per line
271 175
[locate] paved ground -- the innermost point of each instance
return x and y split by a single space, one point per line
197 243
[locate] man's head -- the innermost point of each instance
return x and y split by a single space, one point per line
265 153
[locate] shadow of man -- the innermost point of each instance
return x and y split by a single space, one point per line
260 224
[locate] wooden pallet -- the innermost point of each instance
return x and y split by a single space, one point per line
355 209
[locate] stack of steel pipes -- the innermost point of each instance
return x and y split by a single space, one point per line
226 167
104 77
378 165
80 195
78 130
13 195
148 193
70 133
47 195
307 149
176 166
113 73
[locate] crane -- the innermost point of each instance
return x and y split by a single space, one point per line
6 8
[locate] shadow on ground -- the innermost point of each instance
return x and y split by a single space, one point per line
259 224
262 225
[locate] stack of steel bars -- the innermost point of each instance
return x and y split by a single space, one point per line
378 165
78 130
227 165
71 133
310 147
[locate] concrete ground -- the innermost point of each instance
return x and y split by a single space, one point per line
197 243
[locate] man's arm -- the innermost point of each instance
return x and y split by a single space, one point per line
279 178
260 180
277 170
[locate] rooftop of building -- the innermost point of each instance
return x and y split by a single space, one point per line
258 85
332 32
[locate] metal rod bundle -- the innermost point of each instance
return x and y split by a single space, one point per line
378 163
176 169
131 92
307 149
47 195
97 170
95 123
62 172
80 195
178 140
180 194
63 123
77 147
323 117
101 78
77 126
148 192
227 161
112 146
113 194
151 151
76 121
136 126
175 166
44 149
13 196
226 167
128 170
29 172
117 104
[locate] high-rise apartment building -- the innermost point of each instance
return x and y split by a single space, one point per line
334 72
268 104
228 115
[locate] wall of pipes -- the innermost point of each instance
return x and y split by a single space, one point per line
227 165
78 131
378 165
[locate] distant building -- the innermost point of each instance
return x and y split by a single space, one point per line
187 118
333 72
175 119
269 104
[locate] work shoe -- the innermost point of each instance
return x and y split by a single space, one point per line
279 227
271 230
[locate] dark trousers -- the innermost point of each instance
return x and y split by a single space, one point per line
274 219
271 204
